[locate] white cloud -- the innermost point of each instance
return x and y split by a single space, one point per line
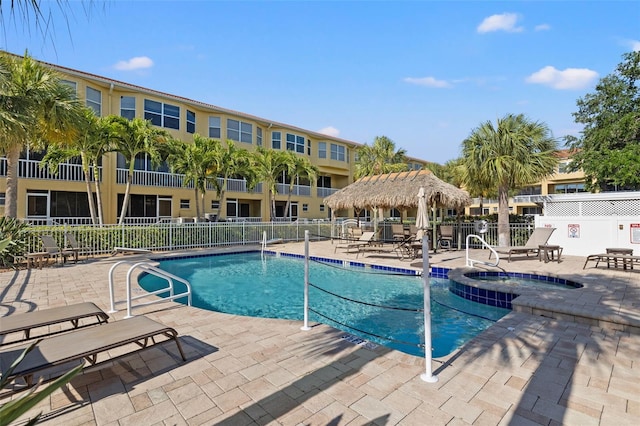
634 44
330 131
570 78
504 22
542 27
137 63
427 82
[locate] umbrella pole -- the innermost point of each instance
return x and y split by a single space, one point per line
305 326
428 375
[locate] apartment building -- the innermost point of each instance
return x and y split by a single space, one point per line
562 181
157 194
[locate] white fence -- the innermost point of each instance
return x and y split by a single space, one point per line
585 235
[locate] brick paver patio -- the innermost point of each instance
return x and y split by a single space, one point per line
578 367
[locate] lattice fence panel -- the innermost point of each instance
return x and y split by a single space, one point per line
593 208
569 208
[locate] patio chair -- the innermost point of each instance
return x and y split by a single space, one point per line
539 237
25 322
365 239
73 244
50 246
86 344
445 240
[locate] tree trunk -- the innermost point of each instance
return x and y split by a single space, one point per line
273 205
197 199
125 201
96 178
221 196
87 180
11 202
504 238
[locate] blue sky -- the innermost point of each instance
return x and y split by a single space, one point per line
423 73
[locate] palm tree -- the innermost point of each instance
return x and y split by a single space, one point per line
198 162
268 165
92 142
132 138
515 153
231 162
36 109
298 168
379 158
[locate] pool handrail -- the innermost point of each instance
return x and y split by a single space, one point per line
153 270
471 262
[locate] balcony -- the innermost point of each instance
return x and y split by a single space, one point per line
325 192
172 180
31 169
304 190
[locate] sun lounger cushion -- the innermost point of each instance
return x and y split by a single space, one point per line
130 250
28 321
86 344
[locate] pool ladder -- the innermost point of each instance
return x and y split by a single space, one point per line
471 262
149 268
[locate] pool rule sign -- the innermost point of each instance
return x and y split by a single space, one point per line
635 233
574 230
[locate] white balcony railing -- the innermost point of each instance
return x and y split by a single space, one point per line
31 169
325 192
283 188
173 180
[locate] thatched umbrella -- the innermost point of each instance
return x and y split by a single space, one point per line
397 190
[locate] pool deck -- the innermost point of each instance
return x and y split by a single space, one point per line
567 357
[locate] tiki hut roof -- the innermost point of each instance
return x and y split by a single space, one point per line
398 190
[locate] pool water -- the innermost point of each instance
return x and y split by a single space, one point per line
273 287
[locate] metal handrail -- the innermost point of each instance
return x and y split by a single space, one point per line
150 269
470 262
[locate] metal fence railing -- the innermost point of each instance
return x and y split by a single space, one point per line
173 236
167 236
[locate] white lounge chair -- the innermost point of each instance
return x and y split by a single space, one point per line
539 237
365 239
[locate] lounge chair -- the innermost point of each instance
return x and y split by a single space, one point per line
50 246
539 237
86 344
365 239
615 259
129 250
28 321
445 240
73 244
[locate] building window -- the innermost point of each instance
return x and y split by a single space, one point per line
215 204
184 203
308 146
321 207
239 131
214 127
258 136
531 190
295 143
322 150
162 115
94 100
531 210
570 188
337 152
305 207
128 107
191 122
72 84
276 140
2 198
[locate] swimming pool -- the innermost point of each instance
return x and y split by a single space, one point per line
246 284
